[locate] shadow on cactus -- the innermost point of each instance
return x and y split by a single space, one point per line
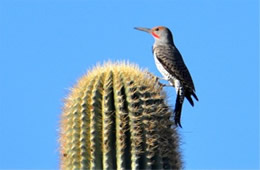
116 117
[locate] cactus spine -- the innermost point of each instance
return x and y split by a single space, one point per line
116 117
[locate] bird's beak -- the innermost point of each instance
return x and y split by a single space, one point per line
143 29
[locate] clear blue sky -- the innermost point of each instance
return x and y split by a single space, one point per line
45 46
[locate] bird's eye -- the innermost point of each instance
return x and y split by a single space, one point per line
157 29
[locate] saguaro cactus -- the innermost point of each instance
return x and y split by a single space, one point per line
116 117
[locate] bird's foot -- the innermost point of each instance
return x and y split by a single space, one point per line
167 85
162 78
161 84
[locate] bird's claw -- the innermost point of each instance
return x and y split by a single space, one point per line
161 84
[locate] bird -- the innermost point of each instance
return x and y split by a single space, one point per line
170 64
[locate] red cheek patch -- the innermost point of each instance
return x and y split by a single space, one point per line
155 35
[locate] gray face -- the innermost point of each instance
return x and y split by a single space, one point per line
162 35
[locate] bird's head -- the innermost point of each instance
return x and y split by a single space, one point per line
161 34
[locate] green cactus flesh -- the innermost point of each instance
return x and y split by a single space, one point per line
116 117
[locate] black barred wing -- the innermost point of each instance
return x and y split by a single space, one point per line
171 60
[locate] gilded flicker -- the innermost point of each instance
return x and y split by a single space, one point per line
169 62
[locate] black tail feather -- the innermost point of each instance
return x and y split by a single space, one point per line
195 96
178 105
177 110
188 95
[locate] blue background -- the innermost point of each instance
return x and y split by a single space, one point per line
46 46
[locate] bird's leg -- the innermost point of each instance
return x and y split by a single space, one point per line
167 85
162 78
161 84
